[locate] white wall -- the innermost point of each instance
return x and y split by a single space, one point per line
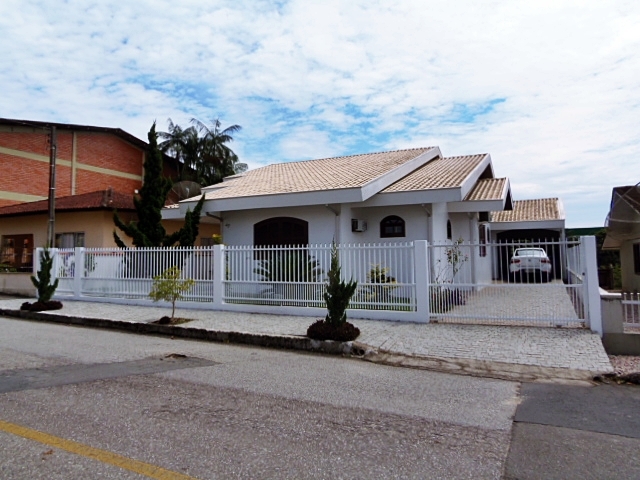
237 226
414 216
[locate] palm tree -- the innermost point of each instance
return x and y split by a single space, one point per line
183 145
202 151
216 159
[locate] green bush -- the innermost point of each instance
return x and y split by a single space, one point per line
42 282
168 286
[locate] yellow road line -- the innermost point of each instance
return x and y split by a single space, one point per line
103 456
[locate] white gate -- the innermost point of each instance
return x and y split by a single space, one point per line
537 283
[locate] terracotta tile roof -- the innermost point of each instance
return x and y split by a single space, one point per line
447 172
314 175
530 210
487 189
100 200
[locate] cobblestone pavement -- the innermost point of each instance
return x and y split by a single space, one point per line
561 348
539 304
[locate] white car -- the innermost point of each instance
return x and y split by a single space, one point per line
530 260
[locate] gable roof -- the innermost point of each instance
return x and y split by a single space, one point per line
623 219
100 200
314 175
347 179
447 172
488 189
528 214
402 177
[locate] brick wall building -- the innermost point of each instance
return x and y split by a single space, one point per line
88 159
91 162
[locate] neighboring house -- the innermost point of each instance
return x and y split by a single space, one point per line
97 169
623 233
404 195
84 220
88 159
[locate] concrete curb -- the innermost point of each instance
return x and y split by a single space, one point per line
465 366
478 368
287 342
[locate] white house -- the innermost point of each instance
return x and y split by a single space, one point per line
403 195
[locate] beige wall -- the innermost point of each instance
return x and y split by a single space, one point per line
97 226
205 230
630 280
17 284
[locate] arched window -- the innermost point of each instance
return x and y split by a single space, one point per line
281 231
392 226
449 234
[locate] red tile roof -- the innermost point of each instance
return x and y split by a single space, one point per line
100 200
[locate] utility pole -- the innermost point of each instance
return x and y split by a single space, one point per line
52 188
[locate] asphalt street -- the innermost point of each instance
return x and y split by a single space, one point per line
247 413
82 403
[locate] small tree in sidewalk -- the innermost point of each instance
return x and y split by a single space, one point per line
44 286
337 295
168 286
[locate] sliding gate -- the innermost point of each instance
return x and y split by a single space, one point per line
490 284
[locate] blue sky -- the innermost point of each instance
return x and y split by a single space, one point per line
551 89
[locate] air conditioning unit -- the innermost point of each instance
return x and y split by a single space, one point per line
358 225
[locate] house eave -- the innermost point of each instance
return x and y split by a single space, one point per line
528 225
436 195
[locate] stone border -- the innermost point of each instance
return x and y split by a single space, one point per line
291 342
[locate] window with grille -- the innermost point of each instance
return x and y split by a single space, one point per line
392 226
17 252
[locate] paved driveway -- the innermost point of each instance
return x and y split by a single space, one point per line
546 304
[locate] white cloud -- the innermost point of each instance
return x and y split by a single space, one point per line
308 79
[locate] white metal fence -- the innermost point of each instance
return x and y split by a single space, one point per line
537 283
414 281
128 273
631 308
296 275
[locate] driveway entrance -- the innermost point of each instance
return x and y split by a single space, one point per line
474 283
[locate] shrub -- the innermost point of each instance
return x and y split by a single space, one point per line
42 282
168 286
336 296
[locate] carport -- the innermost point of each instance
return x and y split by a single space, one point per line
531 222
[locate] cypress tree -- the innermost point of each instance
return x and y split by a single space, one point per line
148 231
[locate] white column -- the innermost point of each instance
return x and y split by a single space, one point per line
439 217
219 272
421 280
78 272
591 288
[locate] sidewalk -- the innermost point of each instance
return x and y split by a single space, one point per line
519 353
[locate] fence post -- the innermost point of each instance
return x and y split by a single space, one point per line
36 260
591 287
78 272
421 267
219 271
